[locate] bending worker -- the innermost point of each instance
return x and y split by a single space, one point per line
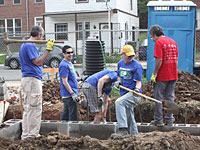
97 88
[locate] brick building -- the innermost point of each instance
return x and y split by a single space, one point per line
18 16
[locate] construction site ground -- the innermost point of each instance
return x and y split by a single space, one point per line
187 91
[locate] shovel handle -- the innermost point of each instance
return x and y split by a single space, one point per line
139 94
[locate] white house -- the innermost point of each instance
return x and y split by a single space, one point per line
98 16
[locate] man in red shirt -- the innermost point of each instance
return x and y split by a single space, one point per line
165 73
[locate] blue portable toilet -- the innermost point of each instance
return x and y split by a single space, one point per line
177 18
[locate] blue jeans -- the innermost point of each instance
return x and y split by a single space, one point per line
163 89
125 112
70 110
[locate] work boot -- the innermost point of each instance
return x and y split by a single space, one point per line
154 123
121 131
168 124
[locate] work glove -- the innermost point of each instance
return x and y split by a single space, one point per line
100 101
50 44
118 83
153 78
137 90
75 98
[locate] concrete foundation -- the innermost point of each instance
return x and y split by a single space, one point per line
97 130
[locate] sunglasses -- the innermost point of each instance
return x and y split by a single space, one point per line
131 56
69 52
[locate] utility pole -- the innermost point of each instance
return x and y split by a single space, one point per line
109 26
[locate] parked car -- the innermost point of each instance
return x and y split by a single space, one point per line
143 50
52 61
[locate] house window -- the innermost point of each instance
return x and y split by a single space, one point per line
82 1
2 2
18 26
12 26
80 28
16 1
39 21
102 0
131 4
2 26
61 31
38 1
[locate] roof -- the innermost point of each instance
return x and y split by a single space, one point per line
73 12
171 3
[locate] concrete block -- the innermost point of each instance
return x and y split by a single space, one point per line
97 130
3 89
63 127
12 132
193 129
48 126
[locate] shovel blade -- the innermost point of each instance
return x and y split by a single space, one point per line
170 107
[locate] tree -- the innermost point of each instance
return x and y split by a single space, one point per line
143 13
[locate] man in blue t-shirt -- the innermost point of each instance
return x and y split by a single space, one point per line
97 88
32 70
68 86
129 73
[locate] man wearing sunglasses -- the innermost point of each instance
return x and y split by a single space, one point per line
129 73
68 86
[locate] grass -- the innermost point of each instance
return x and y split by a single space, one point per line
143 35
2 59
197 53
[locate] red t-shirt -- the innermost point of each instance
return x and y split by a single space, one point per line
166 49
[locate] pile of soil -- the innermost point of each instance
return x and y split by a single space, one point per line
187 88
175 140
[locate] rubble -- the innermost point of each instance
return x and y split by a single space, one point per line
156 140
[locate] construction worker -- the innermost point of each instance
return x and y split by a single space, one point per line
129 75
68 86
165 73
32 70
97 88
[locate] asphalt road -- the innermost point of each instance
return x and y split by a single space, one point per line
10 74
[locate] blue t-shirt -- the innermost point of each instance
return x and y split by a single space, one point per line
27 53
107 88
129 74
66 69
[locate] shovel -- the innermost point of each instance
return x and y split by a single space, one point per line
168 106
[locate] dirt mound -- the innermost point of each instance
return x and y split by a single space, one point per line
187 88
53 106
175 140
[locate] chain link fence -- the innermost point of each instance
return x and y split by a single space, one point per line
114 41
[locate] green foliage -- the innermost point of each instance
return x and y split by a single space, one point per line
113 59
2 59
143 35
79 59
109 59
197 53
144 79
114 93
143 13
